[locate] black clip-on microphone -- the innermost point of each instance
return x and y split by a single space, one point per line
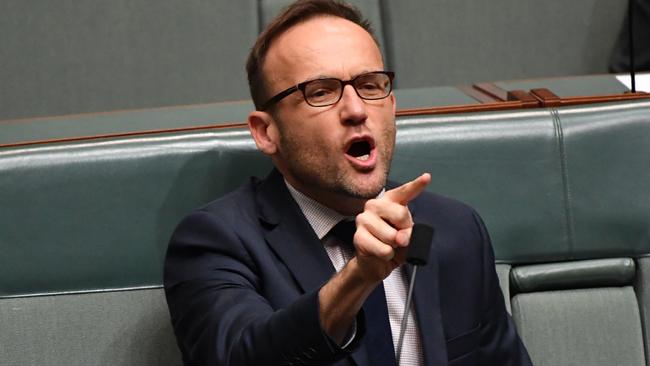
417 255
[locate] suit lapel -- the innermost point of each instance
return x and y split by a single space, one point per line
293 240
426 298
290 235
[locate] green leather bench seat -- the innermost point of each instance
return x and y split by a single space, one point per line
607 164
85 224
586 312
88 329
117 192
595 326
98 214
494 161
595 312
576 274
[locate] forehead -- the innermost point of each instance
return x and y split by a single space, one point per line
323 46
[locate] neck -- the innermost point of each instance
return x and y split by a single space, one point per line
341 203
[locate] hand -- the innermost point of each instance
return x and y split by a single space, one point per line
384 229
383 233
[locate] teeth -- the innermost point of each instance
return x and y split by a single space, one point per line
364 157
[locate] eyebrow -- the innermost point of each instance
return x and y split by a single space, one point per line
323 76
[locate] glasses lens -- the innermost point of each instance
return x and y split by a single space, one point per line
322 92
372 85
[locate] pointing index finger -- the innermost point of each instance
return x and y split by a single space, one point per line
408 191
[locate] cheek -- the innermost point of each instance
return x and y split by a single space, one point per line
389 129
388 135
303 143
313 135
389 146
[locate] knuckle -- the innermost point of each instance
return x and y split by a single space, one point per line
361 234
409 219
385 251
392 232
357 238
361 219
403 215
370 205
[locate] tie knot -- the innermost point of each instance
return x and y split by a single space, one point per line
344 231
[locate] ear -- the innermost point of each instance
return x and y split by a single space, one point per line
264 130
392 100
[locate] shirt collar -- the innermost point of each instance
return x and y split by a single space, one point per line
321 218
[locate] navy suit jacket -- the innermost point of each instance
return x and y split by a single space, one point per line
242 276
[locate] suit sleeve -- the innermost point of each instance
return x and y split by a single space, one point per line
500 344
218 313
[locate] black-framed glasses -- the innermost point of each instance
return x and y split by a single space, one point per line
327 91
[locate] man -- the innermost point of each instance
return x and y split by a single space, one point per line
260 277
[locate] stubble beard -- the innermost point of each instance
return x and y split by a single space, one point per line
323 174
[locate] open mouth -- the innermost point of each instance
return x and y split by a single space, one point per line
360 150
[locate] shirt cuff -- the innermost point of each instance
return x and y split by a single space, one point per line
352 333
352 339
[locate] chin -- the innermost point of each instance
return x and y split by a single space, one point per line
367 189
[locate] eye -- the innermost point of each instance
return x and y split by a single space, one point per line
372 85
369 86
322 91
318 93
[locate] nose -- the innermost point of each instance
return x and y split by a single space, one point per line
353 108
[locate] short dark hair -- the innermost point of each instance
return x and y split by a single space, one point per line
300 11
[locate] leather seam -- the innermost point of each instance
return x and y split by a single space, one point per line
566 187
81 292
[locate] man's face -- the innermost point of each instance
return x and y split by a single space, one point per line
340 154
